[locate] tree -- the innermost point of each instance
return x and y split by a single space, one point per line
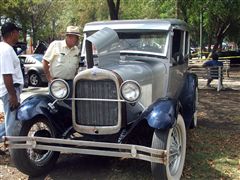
222 16
48 19
31 15
113 9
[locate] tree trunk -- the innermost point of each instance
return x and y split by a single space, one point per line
217 45
113 9
177 9
209 42
220 36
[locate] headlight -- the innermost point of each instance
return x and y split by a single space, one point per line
130 91
59 89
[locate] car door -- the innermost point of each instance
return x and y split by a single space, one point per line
178 66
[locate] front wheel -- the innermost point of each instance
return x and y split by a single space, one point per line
174 141
35 162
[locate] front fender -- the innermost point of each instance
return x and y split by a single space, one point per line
161 114
33 106
36 105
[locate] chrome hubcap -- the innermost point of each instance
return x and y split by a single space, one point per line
38 156
34 79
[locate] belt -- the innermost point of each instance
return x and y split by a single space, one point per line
16 85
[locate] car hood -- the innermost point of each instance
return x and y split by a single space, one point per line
143 71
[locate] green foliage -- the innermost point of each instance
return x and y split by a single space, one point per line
79 12
47 19
220 18
147 9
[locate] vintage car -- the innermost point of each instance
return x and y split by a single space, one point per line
135 99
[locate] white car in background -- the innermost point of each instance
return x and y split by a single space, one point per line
34 69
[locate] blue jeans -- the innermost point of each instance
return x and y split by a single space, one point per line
8 127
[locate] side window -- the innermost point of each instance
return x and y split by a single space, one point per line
177 46
30 60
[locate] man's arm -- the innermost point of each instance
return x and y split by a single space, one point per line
46 70
206 64
13 100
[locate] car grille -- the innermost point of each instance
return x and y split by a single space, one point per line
96 113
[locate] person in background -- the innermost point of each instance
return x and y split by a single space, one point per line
213 64
62 59
11 78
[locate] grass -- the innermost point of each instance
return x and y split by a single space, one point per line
213 153
213 149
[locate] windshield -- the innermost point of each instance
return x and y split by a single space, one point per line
152 43
39 57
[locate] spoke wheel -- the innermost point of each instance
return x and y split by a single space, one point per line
174 141
35 162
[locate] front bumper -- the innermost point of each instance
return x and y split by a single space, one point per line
87 147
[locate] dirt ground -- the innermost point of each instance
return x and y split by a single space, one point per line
214 110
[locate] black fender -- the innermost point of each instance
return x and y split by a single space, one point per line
37 105
187 98
159 115
33 106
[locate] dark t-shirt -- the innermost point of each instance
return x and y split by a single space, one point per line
211 63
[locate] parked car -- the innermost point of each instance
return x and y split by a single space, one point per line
135 100
34 68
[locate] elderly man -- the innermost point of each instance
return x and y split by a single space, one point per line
61 59
11 78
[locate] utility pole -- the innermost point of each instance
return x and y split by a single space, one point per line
53 29
201 26
177 13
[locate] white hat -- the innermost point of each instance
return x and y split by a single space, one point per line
74 30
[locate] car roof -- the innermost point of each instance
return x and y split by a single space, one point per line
36 56
148 24
28 55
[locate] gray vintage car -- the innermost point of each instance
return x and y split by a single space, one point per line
135 99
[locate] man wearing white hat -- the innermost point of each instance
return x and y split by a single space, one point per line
61 59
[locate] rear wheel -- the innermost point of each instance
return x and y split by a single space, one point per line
34 79
174 141
35 162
